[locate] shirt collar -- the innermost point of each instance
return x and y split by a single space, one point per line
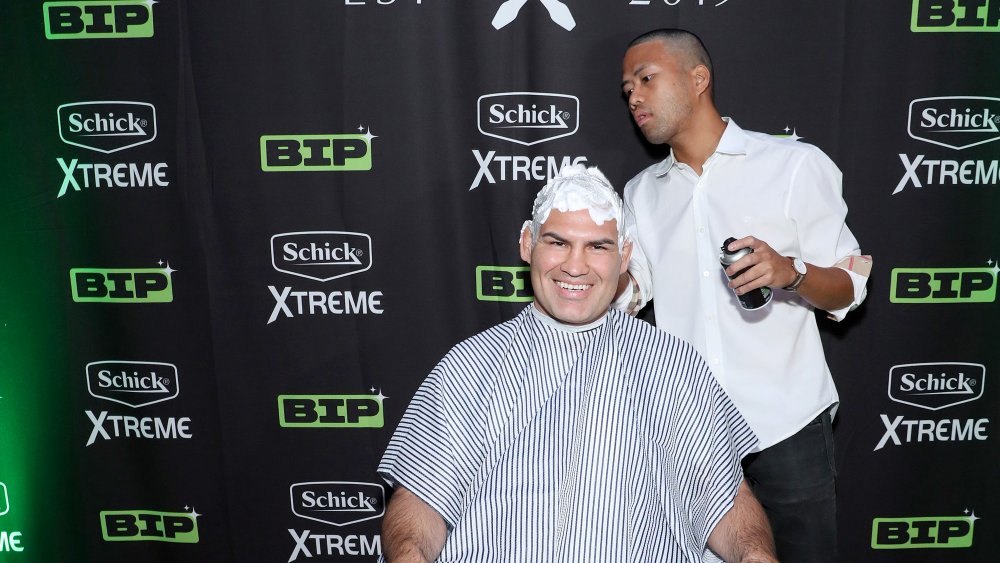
733 141
549 321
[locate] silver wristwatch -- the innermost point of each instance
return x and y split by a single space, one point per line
800 274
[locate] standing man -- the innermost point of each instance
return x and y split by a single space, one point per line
572 433
781 199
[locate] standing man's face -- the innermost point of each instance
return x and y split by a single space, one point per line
660 94
575 266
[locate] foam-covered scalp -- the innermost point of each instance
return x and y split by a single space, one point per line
577 187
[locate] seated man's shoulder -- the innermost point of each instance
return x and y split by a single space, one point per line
651 341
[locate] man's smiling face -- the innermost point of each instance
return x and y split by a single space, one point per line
575 265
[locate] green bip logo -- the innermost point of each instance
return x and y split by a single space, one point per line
943 285
320 153
125 19
149 525
924 532
331 411
955 15
122 285
503 283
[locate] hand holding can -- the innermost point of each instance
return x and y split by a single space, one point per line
752 299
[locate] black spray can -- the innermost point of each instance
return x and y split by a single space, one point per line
752 299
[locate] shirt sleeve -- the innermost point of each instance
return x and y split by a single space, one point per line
817 207
638 265
420 455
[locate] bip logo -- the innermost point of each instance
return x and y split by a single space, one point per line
106 126
150 525
122 285
88 19
134 384
558 11
504 283
955 15
337 502
318 153
924 532
944 285
321 255
934 386
331 411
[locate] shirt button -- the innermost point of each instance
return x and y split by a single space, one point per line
705 273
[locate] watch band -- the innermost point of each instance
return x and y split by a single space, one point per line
799 276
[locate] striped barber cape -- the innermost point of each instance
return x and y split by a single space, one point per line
540 444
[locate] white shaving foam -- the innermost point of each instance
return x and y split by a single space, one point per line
577 187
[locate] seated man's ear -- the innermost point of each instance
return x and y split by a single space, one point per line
626 255
525 242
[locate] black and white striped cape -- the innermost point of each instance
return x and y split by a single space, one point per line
540 445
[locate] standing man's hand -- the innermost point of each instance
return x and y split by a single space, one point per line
765 267
828 289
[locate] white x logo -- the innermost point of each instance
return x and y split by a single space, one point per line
557 11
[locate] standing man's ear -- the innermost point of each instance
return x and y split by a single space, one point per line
702 78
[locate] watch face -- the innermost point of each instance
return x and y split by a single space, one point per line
799 265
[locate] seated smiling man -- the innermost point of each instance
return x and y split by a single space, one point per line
572 432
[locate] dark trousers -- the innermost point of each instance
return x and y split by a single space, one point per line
795 481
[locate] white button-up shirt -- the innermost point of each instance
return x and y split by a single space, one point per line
783 192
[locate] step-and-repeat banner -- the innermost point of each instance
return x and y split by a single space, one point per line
236 235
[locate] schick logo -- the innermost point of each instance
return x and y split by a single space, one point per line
107 127
955 15
321 255
956 122
504 283
331 411
936 386
923 532
148 525
943 285
558 11
135 384
337 502
121 19
320 153
121 285
528 118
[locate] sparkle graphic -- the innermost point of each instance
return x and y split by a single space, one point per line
972 517
793 135
194 513
168 269
369 136
380 396
996 266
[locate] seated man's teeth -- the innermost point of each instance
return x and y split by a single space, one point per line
572 287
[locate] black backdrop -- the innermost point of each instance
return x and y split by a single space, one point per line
295 208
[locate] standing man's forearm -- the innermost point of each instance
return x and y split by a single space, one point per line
412 531
744 535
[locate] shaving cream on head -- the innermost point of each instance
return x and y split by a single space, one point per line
577 187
